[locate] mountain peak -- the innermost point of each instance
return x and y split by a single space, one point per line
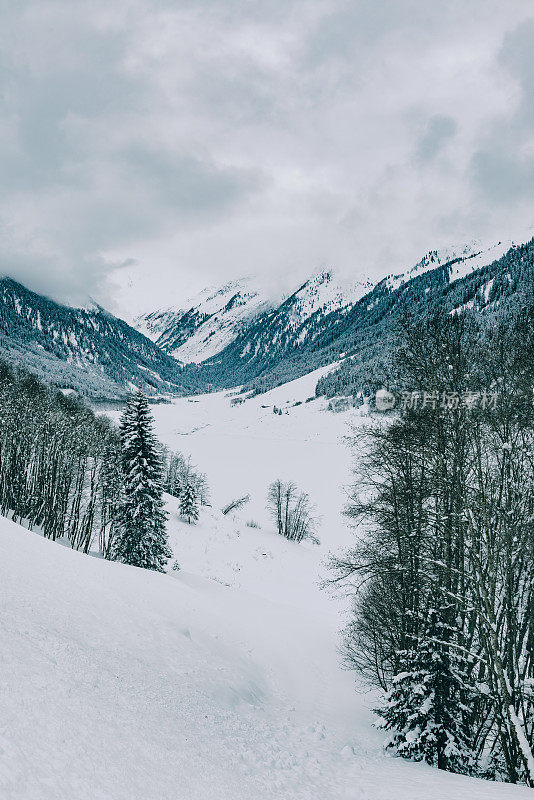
203 325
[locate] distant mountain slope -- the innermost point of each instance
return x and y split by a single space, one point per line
298 337
87 350
212 320
207 323
236 336
495 289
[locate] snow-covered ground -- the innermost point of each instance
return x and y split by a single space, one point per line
219 681
243 448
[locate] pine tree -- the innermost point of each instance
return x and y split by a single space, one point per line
189 502
424 709
142 539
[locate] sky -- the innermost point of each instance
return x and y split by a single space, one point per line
149 148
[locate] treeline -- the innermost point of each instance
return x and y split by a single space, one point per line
74 476
89 350
59 463
443 569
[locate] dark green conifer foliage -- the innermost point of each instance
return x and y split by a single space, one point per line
189 502
425 708
142 540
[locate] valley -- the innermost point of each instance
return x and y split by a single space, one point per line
222 679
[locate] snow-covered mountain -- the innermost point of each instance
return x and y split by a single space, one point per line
241 311
85 349
206 323
239 335
324 322
463 259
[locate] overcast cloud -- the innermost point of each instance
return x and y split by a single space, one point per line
148 148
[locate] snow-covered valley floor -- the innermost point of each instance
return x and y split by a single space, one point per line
219 681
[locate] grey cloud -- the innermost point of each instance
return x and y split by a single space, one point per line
516 56
246 96
502 175
223 137
62 280
70 70
75 182
188 185
438 132
503 166
351 29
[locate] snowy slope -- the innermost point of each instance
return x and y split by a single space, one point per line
213 319
293 625
463 259
295 323
243 448
207 322
324 293
220 681
121 684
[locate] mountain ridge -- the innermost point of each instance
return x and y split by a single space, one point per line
205 325
88 350
274 350
238 336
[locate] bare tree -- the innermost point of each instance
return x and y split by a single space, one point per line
292 512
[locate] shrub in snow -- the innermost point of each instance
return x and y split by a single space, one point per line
179 471
236 504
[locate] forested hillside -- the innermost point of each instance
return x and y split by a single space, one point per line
100 356
494 291
59 463
283 344
87 350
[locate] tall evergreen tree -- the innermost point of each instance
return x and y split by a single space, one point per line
142 539
424 708
189 502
